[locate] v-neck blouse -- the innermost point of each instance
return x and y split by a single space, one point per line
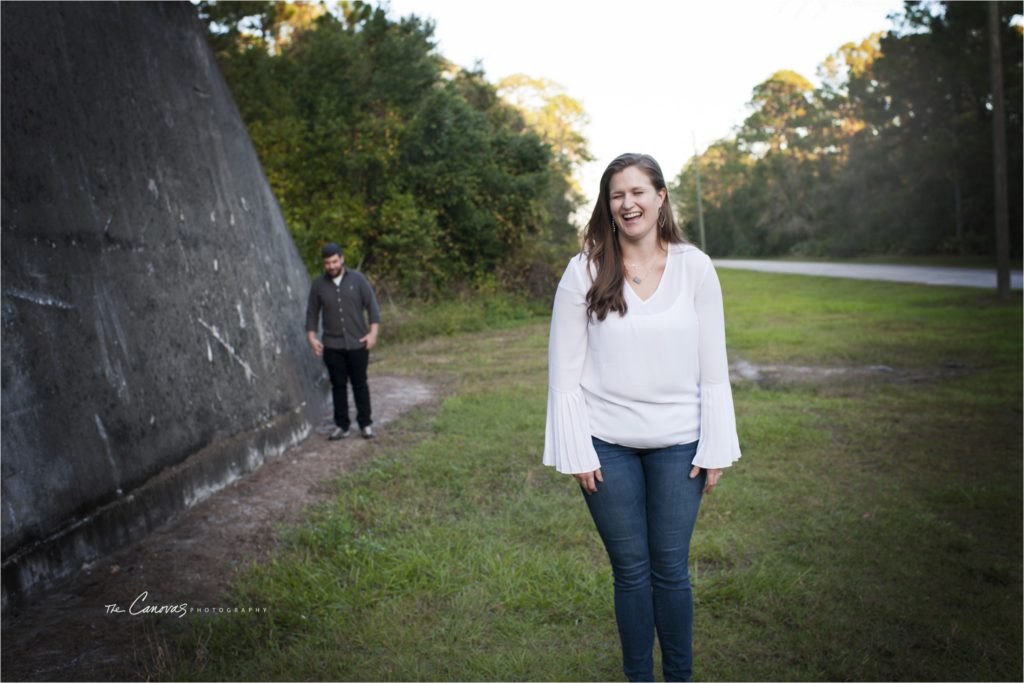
655 377
629 288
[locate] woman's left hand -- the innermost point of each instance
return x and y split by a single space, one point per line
712 480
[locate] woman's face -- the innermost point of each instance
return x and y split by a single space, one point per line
634 203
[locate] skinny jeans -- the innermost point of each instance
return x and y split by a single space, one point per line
345 366
645 510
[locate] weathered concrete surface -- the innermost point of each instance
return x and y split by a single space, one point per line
926 275
68 634
152 298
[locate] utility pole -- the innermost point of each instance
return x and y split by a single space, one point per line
700 207
995 60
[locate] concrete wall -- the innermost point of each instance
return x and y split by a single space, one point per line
152 298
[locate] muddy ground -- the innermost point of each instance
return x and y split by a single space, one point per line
69 633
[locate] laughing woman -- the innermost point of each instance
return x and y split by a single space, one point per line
639 405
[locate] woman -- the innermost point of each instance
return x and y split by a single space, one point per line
639 405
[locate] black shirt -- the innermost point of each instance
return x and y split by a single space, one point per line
343 306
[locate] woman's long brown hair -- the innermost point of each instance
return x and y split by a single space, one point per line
601 244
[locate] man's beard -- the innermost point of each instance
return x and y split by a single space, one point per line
334 273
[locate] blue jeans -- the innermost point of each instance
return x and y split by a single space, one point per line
645 510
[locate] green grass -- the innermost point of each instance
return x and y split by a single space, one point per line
494 310
872 530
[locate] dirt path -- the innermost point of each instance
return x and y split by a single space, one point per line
69 634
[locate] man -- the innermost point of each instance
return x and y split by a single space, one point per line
343 295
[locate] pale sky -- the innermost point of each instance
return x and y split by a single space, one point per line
650 73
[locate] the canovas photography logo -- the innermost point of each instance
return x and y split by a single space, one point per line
143 605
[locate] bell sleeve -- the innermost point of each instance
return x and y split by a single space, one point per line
567 440
719 444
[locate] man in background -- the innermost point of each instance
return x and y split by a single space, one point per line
351 319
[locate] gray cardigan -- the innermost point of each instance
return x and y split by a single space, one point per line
343 309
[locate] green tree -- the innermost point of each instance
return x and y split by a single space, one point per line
777 133
369 138
780 113
725 171
891 154
560 120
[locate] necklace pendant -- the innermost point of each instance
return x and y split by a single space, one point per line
636 279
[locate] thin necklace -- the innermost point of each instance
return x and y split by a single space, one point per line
631 267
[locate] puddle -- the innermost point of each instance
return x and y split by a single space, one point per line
742 370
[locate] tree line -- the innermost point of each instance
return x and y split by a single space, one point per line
892 153
428 178
433 179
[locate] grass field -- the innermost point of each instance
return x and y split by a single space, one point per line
872 530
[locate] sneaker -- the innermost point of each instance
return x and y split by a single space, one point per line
367 432
338 433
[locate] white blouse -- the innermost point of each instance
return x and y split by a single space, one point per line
655 377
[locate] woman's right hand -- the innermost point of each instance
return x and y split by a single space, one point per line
588 480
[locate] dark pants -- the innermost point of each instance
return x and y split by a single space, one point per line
645 511
349 366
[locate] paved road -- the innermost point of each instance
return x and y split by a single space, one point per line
927 275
